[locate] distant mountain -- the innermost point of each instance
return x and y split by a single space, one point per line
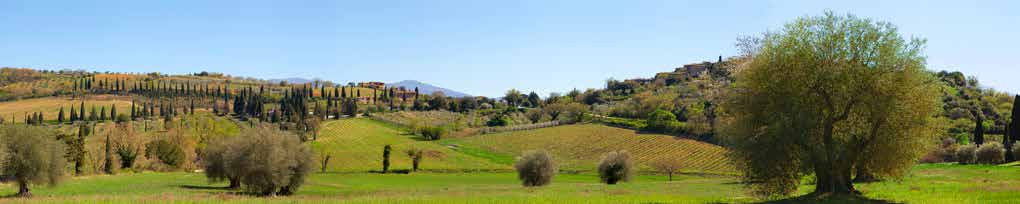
426 88
293 80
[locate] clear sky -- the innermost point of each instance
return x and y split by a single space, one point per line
478 47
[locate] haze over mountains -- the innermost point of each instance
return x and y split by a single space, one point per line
426 88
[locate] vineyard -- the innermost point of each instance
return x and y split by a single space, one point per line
580 147
356 145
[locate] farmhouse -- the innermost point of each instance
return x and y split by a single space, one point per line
372 85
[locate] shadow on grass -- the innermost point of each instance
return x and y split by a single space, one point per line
194 187
828 199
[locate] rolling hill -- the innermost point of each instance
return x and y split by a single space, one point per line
356 145
580 147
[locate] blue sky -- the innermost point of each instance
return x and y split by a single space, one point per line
478 47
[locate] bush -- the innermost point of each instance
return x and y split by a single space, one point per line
966 154
946 152
990 153
264 159
615 167
535 168
433 132
166 152
32 155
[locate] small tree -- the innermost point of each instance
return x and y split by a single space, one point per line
32 156
535 168
615 167
416 155
669 166
966 154
386 158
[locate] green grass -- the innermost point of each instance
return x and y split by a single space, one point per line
399 188
356 145
936 183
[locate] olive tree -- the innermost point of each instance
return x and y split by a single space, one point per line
266 160
32 155
616 167
535 168
831 96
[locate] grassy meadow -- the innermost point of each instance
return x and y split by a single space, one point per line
934 183
356 145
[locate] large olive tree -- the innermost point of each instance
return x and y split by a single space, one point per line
32 155
830 96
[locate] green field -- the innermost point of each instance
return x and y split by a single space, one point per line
937 183
356 145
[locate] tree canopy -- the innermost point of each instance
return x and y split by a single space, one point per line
831 96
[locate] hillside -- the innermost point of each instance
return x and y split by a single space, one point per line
356 145
580 147
50 106
425 88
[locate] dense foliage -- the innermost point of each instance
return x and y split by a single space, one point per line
861 103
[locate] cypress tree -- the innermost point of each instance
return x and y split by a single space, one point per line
107 161
60 116
979 129
386 158
113 111
74 115
102 113
81 111
1013 132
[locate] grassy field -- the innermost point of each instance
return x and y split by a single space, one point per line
580 147
936 183
356 145
50 106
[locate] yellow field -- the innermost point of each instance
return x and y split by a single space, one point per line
356 145
580 147
50 106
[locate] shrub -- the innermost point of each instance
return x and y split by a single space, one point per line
266 160
535 168
166 152
990 153
433 132
32 155
615 167
966 154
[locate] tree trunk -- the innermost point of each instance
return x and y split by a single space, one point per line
833 180
863 175
415 165
23 190
234 183
670 176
